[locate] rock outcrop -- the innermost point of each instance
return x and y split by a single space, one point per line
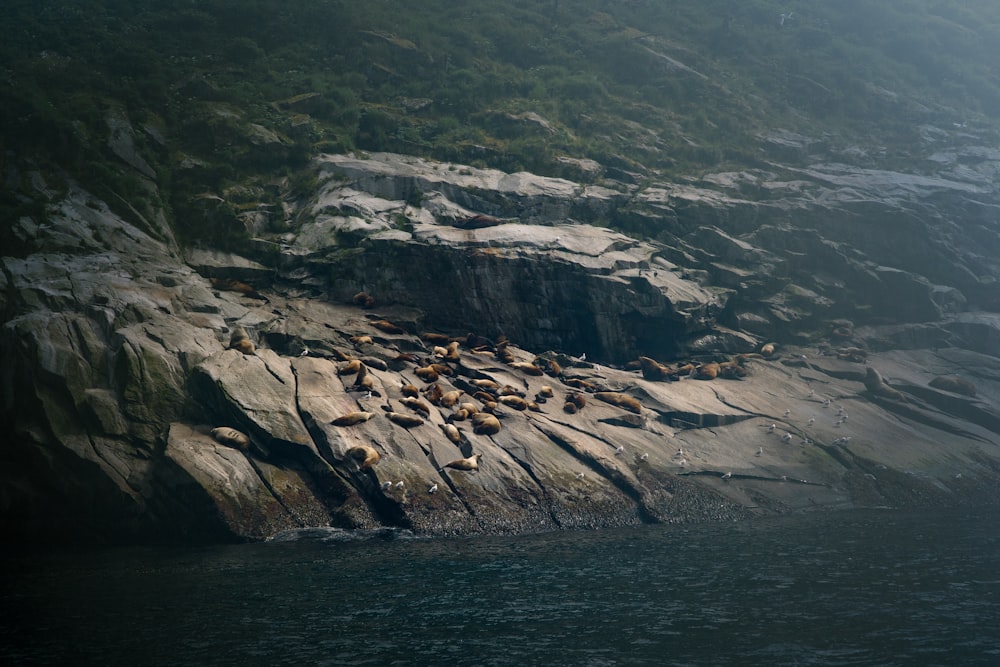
117 363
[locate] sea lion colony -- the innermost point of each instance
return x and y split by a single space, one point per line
439 385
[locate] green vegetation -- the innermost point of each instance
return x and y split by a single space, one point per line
224 92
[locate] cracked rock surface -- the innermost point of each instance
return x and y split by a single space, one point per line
116 364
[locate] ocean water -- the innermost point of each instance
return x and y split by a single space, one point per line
873 587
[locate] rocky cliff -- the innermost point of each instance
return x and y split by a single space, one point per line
353 347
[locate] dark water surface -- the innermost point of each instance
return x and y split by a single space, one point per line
855 588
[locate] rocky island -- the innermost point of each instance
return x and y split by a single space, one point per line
453 349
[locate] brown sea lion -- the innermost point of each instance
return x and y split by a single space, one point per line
577 383
630 403
569 407
954 384
577 399
526 367
450 398
546 391
653 370
484 397
416 405
410 390
231 437
485 424
240 340
231 285
876 385
452 433
350 368
435 338
364 299
488 385
352 418
470 463
515 402
708 371
361 340
767 349
375 362
426 373
406 421
365 455
433 393
387 326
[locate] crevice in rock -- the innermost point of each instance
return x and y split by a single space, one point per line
531 473
613 476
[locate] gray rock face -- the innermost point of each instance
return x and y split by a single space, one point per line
116 364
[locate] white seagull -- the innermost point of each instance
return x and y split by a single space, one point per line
433 489
760 450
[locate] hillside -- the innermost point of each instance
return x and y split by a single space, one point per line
669 246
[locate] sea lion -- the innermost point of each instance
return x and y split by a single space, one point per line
546 391
515 402
876 385
352 418
468 407
569 407
767 349
488 385
484 397
469 463
231 437
410 390
231 285
433 393
375 362
549 366
364 299
427 374
460 415
526 367
954 384
435 338
443 369
350 368
240 340
416 405
365 455
653 370
508 390
361 340
577 383
439 351
406 421
485 424
452 351
630 403
577 399
450 398
452 433
387 326
708 371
